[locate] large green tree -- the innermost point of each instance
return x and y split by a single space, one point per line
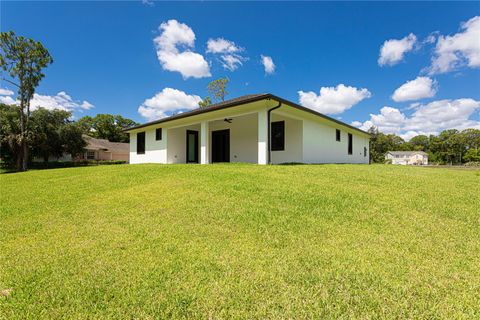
107 126
52 134
9 134
420 142
23 61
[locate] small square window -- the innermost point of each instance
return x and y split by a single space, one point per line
158 134
337 135
90 155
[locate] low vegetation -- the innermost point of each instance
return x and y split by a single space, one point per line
240 241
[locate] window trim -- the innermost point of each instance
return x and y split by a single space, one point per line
157 130
273 147
338 135
139 151
91 152
350 144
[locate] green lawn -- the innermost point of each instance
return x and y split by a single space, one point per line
240 241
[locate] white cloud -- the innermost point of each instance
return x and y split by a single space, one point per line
5 92
5 96
421 87
427 119
463 48
393 50
333 100
231 62
166 102
61 101
149 3
221 45
6 100
173 35
444 114
228 51
268 64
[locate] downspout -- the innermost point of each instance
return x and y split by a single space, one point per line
269 132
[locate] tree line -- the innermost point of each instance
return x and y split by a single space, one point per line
53 133
449 147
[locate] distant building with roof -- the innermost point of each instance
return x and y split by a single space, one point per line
407 157
102 149
96 149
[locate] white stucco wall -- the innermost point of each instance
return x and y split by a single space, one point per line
155 151
320 145
177 143
243 137
293 141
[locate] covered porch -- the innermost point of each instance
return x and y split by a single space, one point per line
236 138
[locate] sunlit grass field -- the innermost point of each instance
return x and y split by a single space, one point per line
240 241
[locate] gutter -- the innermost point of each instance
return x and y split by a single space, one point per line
269 132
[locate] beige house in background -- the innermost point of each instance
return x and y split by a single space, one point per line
96 149
102 149
407 157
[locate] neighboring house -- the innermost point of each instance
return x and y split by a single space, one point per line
102 149
238 130
97 149
407 157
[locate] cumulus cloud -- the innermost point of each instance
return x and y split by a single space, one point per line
421 87
333 100
460 49
61 101
173 36
5 92
166 102
229 52
393 50
221 45
5 96
268 64
430 118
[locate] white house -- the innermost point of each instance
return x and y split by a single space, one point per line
237 130
407 157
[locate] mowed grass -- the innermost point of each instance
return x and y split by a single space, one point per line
240 241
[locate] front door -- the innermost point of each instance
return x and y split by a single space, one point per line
221 146
192 146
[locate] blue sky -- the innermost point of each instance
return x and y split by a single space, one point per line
106 59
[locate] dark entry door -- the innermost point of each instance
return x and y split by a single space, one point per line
221 146
192 146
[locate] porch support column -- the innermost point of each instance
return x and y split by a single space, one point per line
262 137
204 150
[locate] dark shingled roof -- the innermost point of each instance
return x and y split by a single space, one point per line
239 101
103 144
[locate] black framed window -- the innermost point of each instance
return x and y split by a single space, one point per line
158 134
364 151
141 142
350 143
337 134
278 135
